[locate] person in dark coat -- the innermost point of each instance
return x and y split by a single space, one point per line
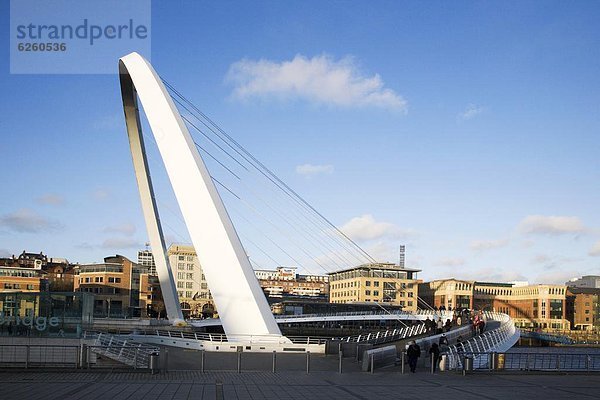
443 340
413 352
434 353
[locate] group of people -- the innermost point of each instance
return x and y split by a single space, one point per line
413 352
436 326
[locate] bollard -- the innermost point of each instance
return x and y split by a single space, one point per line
27 356
587 361
402 361
166 361
432 364
202 361
274 369
87 357
153 362
239 361
308 362
219 390
372 363
340 362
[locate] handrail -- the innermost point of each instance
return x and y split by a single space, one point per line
496 340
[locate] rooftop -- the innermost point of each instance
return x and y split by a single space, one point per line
377 266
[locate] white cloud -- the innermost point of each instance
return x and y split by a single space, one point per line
551 225
491 274
320 79
28 221
450 262
311 170
120 243
480 245
595 250
366 227
470 112
51 199
127 229
557 276
101 194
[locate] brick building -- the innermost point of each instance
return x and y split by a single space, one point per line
583 308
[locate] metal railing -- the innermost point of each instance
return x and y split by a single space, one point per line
43 355
200 336
389 335
418 312
124 351
496 340
529 361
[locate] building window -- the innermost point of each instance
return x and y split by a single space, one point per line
188 294
376 283
189 285
181 258
367 292
180 275
189 276
29 287
179 284
368 283
375 292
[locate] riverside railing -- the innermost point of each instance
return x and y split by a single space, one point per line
529 361
73 356
500 339
199 336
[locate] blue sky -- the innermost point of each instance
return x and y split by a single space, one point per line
468 131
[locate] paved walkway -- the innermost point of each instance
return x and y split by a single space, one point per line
21 385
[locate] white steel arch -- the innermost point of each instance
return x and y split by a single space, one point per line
242 306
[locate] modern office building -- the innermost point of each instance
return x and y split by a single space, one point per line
531 306
146 259
115 284
151 302
449 293
586 281
383 283
192 288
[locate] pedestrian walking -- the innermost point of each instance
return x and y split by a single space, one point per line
440 326
413 352
434 354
